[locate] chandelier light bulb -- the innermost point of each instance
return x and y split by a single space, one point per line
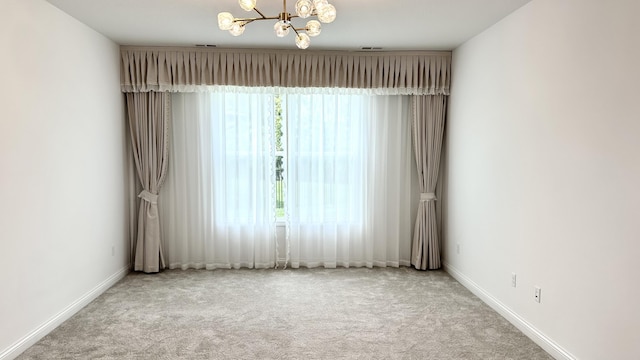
237 29
247 5
327 13
320 3
303 41
281 28
225 20
313 28
304 8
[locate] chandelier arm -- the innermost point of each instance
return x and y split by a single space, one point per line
248 20
260 12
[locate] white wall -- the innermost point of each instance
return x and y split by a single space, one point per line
62 192
544 169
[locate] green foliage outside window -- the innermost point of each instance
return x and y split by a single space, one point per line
279 158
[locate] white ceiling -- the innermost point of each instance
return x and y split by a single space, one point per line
391 25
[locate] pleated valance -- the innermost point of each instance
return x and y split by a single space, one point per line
189 69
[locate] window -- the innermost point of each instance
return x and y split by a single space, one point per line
320 146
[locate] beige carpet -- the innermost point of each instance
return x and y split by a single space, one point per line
287 314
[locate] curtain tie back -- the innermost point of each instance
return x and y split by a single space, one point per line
148 197
424 197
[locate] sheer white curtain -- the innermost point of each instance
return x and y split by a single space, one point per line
349 180
217 206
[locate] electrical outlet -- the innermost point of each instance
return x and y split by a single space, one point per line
537 294
513 279
458 248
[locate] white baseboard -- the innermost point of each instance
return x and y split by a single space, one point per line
33 337
529 330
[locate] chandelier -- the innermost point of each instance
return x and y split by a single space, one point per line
321 9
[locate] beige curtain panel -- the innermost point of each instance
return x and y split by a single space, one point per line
148 115
428 132
189 69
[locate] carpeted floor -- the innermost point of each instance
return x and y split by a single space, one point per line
287 314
